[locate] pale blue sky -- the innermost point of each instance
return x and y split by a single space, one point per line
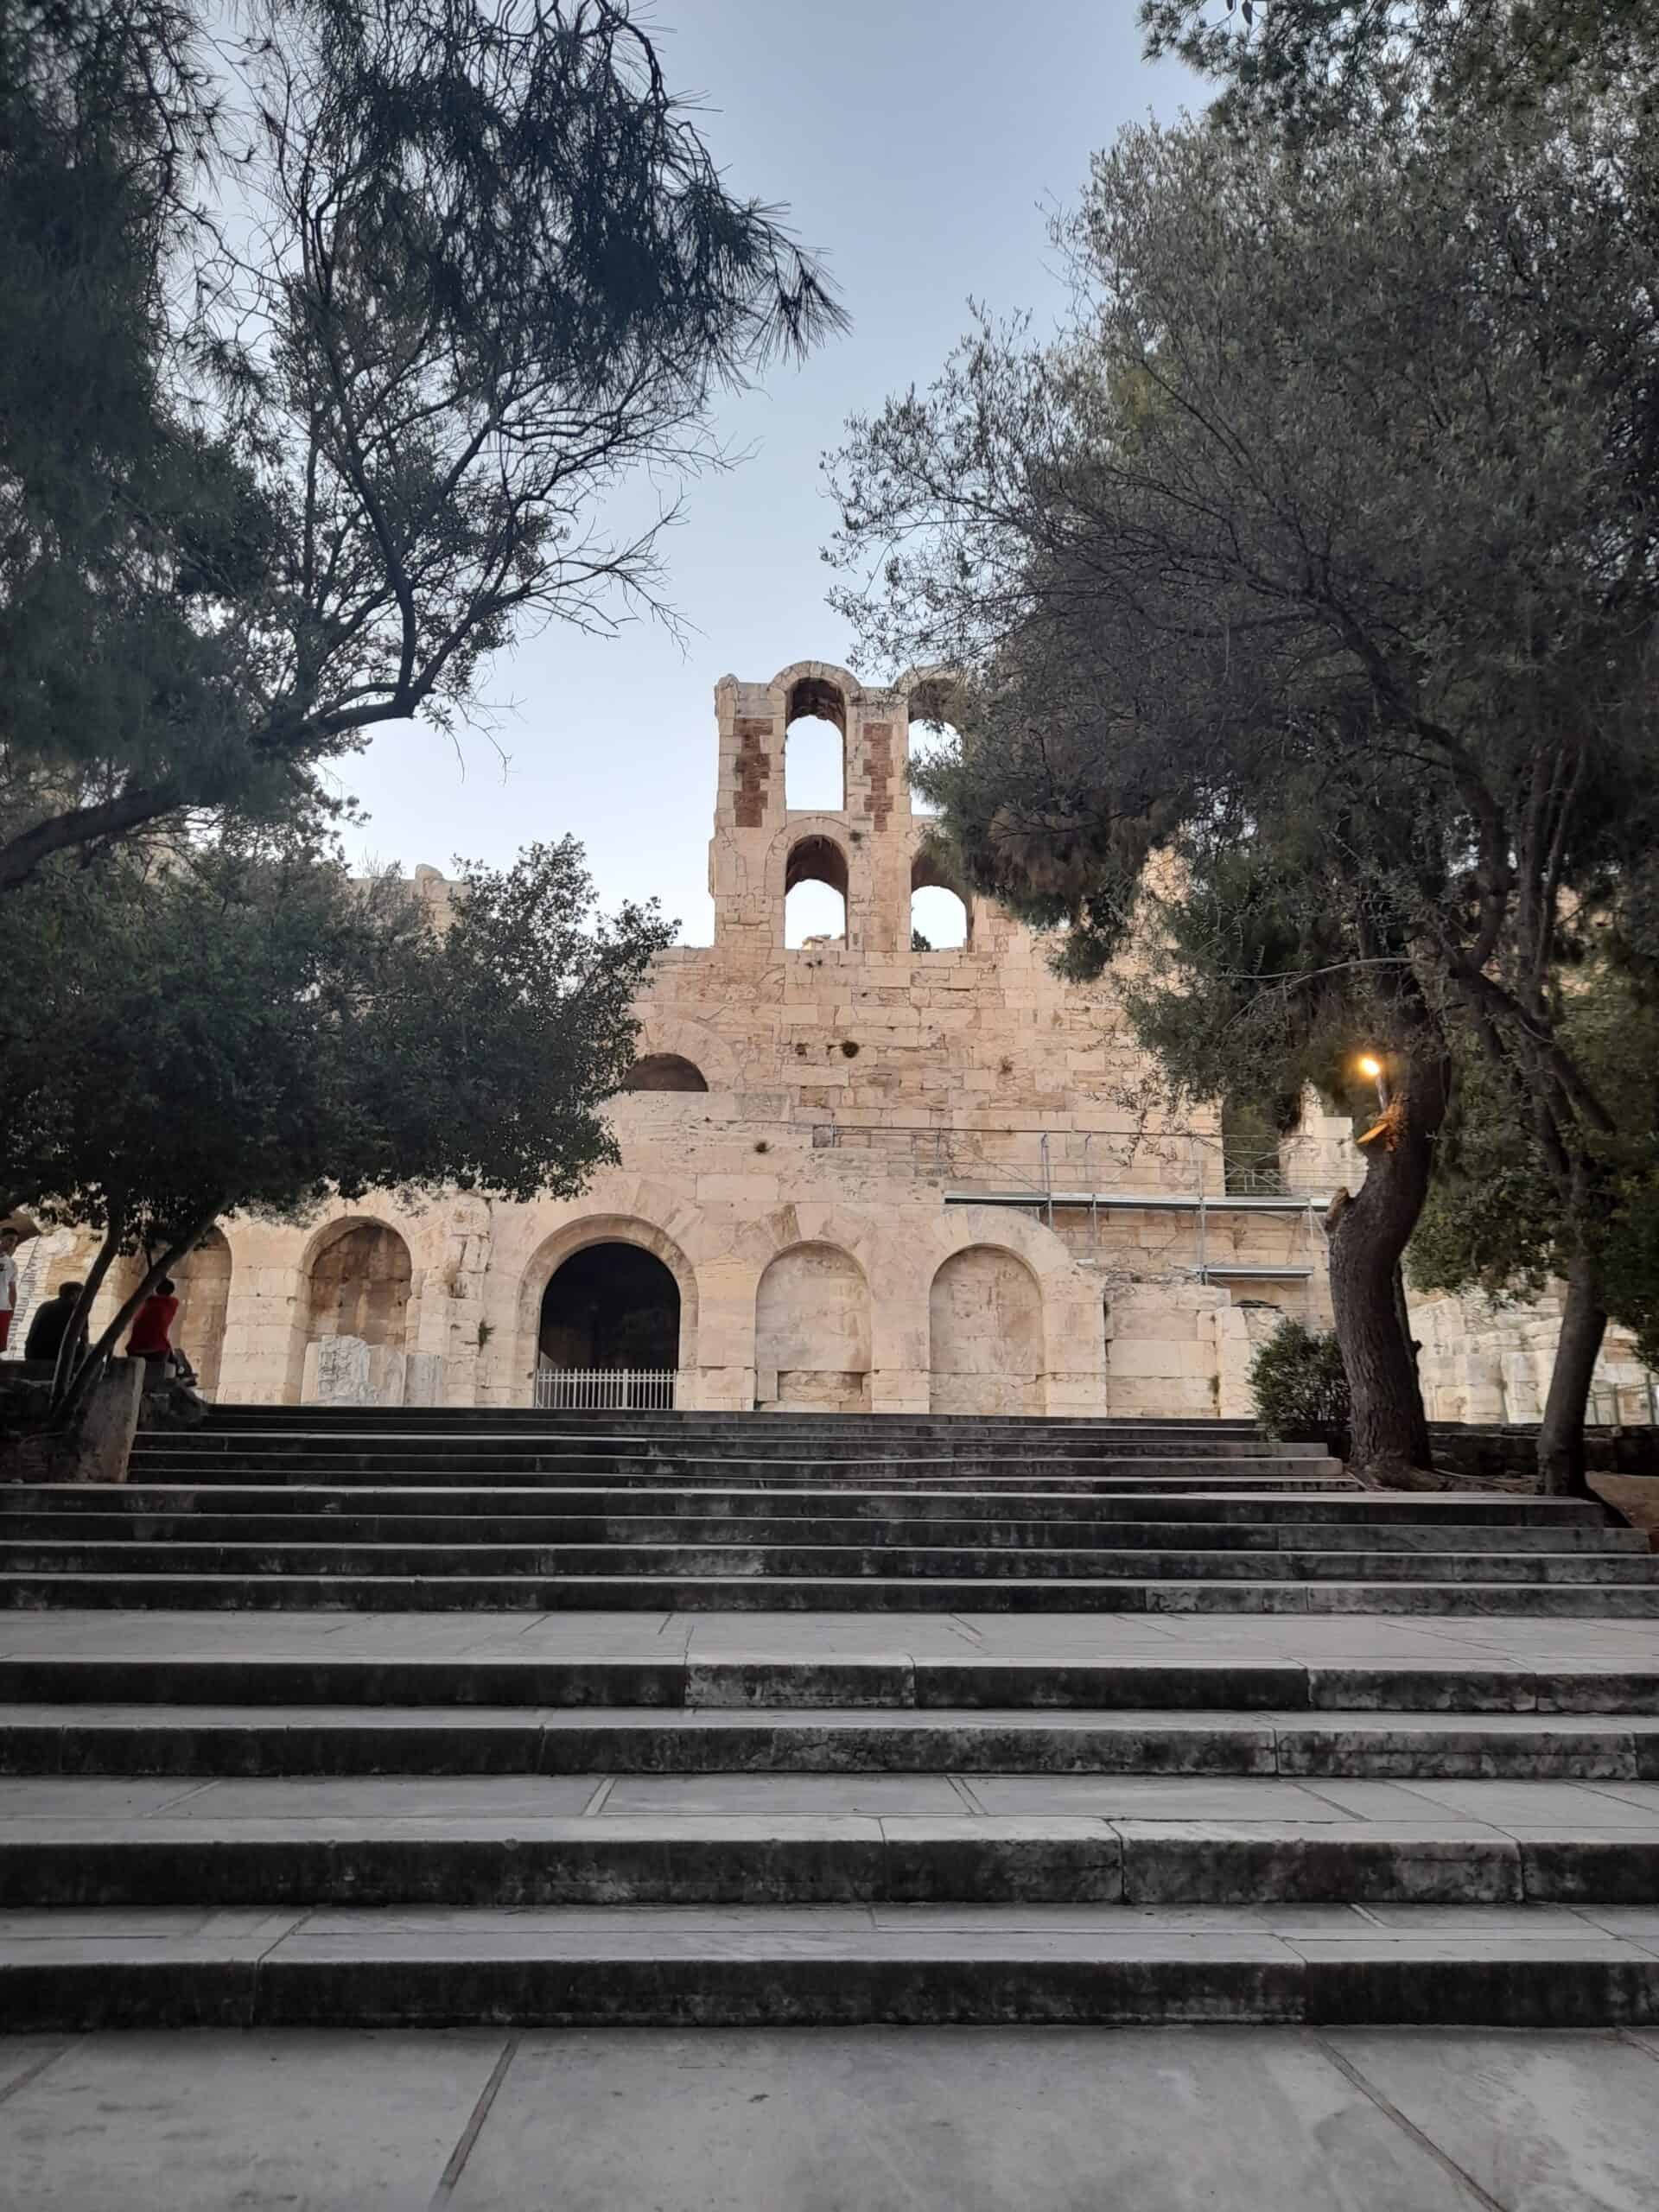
917 144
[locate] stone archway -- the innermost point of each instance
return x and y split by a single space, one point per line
597 1232
985 1334
665 1072
812 1331
202 1279
357 1282
609 1306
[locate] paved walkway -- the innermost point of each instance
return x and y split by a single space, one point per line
870 2120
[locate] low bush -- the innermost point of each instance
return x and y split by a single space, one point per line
1300 1391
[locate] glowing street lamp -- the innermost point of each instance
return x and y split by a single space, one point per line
1371 1068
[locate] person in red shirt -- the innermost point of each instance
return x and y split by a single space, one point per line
151 1326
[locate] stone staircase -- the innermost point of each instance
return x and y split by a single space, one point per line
356 1718
304 1509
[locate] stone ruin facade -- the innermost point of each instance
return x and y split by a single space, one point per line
854 1177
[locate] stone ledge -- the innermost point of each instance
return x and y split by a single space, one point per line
736 1967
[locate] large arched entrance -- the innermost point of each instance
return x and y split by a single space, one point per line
610 1331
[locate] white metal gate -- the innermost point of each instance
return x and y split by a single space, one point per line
605 1390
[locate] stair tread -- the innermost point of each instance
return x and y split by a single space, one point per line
986 1720
423 1931
579 1805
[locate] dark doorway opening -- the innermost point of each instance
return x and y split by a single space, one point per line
611 1305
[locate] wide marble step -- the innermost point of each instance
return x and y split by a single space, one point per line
760 1966
837 1677
736 1555
852 1430
785 1839
27 1589
338 1523
309 1739
1058 1478
1189 1510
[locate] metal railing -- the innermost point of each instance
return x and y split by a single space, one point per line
605 1390
1056 1164
1623 1405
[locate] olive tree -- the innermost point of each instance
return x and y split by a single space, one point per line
1309 579
242 1027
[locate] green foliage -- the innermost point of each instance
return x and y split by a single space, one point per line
1630 1254
1299 1388
293 463
1496 1220
242 1027
1306 591
1306 68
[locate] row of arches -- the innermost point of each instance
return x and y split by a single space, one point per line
614 1304
814 899
816 724
618 1295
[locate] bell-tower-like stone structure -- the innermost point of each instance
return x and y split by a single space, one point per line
868 850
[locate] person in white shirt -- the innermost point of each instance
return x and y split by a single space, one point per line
8 1283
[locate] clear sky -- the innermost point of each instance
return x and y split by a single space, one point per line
917 144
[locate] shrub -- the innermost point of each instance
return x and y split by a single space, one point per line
1300 1391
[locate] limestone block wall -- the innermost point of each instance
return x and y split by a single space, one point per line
1489 1364
985 1334
911 1181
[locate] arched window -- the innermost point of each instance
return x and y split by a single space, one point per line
815 748
932 732
940 917
350 1349
664 1072
815 893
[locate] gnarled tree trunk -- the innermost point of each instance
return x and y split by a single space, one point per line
1560 1435
1369 1233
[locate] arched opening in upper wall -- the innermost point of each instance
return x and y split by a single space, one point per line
941 919
665 1072
815 891
814 746
928 701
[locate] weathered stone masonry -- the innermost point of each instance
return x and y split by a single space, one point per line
876 1179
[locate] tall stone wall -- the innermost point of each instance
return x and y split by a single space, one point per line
911 1181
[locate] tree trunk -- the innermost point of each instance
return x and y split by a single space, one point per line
1368 1236
70 1404
1560 1435
69 1352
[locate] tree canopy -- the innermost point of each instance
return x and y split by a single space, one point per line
1317 558
240 1027
1307 68
327 342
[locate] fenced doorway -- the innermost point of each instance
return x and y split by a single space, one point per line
610 1333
